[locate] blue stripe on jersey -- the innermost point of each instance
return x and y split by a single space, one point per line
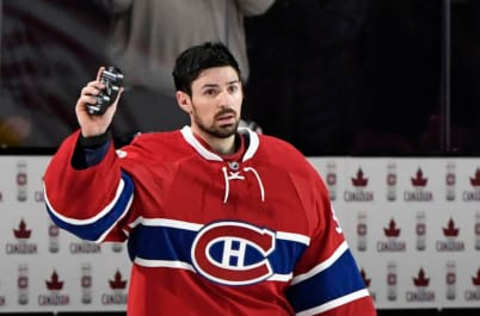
340 279
93 231
174 244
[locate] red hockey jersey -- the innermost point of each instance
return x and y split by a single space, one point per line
208 235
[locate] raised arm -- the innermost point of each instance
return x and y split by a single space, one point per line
86 191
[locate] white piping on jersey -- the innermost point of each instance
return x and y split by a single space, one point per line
280 277
260 184
163 264
173 223
323 265
92 219
165 222
293 237
335 303
192 141
235 175
207 154
186 266
252 146
231 175
104 235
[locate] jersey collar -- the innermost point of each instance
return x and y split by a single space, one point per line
253 144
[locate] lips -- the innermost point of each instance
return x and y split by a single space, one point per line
225 116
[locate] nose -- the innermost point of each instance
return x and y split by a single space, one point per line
225 99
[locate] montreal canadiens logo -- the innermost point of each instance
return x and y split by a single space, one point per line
233 253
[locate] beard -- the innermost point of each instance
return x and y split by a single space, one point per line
222 131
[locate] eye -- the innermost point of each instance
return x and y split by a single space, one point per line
233 88
210 92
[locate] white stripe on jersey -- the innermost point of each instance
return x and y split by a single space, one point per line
323 265
334 303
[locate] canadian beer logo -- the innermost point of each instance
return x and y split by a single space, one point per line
22 246
84 247
392 244
367 282
22 284
474 294
474 194
86 283
362 230
421 292
419 194
39 198
476 230
451 280
450 179
360 194
54 298
421 231
450 243
53 236
38 195
22 181
391 182
332 180
392 281
118 295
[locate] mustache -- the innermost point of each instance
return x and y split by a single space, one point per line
225 111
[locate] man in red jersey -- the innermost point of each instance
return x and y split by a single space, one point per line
219 220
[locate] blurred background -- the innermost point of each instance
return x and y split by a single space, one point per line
333 77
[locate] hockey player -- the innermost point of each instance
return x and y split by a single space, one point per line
219 220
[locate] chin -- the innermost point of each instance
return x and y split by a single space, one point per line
227 131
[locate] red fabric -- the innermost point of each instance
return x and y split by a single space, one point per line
172 181
361 307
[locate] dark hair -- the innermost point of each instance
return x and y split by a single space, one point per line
195 59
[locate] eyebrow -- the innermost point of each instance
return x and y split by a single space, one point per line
214 85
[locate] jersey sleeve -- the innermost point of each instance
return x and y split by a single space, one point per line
88 202
326 279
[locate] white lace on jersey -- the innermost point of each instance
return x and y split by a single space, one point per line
235 175
229 174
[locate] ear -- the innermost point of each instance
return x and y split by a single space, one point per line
184 101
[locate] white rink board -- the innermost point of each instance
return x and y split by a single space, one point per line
386 248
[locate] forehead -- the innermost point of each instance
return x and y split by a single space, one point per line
216 76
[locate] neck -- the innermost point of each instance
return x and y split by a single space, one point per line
222 146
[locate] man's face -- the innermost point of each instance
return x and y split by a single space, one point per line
216 102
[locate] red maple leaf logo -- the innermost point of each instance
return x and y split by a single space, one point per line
359 181
450 231
364 277
117 283
475 182
419 180
54 283
22 232
476 280
392 231
421 280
